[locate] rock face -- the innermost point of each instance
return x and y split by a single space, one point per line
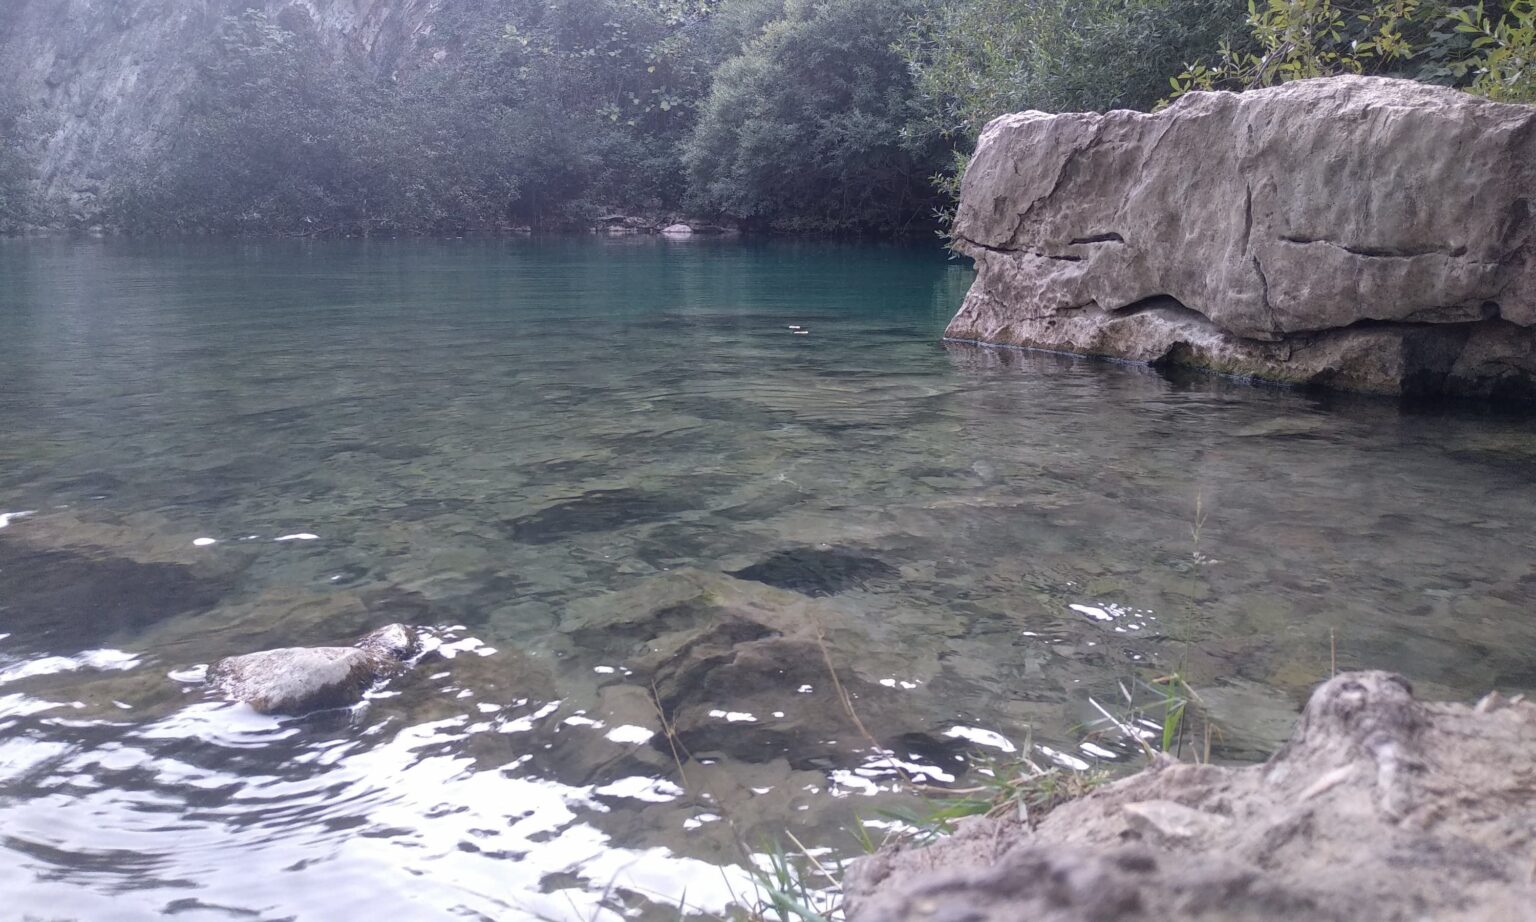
110 79
294 680
1351 232
1379 808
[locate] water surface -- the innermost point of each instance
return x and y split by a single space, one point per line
601 474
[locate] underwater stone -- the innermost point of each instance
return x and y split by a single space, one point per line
595 511
817 572
45 589
1357 233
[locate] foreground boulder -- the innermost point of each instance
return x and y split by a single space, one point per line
295 680
1352 232
1380 807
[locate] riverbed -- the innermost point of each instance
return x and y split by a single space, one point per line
613 480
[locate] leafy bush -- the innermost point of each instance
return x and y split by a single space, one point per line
1504 61
1299 39
977 59
1490 54
808 129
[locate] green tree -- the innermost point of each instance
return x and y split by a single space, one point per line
808 128
270 140
518 112
977 59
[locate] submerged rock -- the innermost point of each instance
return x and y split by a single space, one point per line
294 680
1353 232
818 571
596 511
1380 807
744 669
68 583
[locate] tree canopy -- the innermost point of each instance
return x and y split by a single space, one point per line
812 126
827 116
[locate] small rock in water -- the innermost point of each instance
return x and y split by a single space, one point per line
296 680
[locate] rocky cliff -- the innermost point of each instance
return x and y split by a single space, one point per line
107 78
1352 232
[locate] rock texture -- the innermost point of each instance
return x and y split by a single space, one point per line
1380 807
295 680
740 668
1352 232
110 79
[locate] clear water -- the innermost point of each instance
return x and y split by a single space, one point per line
541 451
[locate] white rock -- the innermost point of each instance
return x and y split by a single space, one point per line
1354 232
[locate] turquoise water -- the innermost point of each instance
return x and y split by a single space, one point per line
605 475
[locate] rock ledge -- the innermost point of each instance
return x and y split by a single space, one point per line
1380 807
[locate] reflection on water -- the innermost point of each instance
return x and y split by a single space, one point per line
641 515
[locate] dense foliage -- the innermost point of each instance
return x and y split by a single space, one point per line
810 127
976 59
1489 50
782 115
534 112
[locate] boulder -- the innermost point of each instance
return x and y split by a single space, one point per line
295 680
1358 233
677 230
1380 807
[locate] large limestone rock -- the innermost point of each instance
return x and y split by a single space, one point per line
1352 232
296 680
1380 807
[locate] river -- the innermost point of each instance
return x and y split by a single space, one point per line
607 475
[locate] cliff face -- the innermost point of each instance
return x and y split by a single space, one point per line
1358 233
108 78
